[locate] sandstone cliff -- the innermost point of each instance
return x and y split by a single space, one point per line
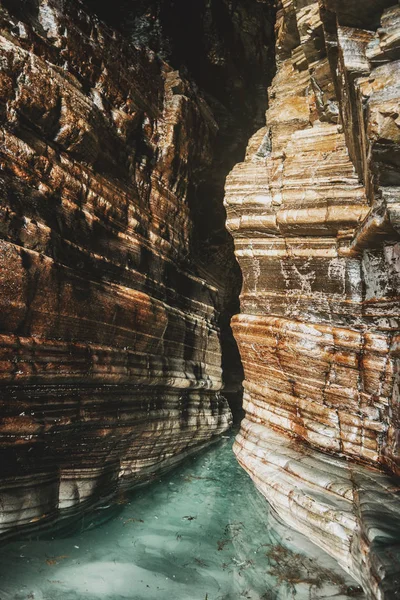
314 210
110 352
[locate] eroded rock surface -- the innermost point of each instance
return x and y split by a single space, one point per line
110 354
314 210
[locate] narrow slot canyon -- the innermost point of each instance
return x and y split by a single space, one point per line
199 305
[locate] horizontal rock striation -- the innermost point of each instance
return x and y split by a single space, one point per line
110 359
314 210
350 511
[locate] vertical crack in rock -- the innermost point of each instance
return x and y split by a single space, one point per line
314 211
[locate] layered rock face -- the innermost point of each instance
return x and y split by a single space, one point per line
227 48
314 210
110 354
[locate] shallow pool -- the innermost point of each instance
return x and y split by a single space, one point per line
200 533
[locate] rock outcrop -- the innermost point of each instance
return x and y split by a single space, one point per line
314 210
110 355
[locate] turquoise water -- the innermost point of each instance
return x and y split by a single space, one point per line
200 533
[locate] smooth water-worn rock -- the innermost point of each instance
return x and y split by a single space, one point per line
349 510
314 210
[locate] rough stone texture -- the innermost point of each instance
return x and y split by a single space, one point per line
110 367
314 210
227 48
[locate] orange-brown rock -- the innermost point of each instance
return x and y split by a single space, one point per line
110 359
314 210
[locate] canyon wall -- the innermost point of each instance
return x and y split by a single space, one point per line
110 368
314 210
